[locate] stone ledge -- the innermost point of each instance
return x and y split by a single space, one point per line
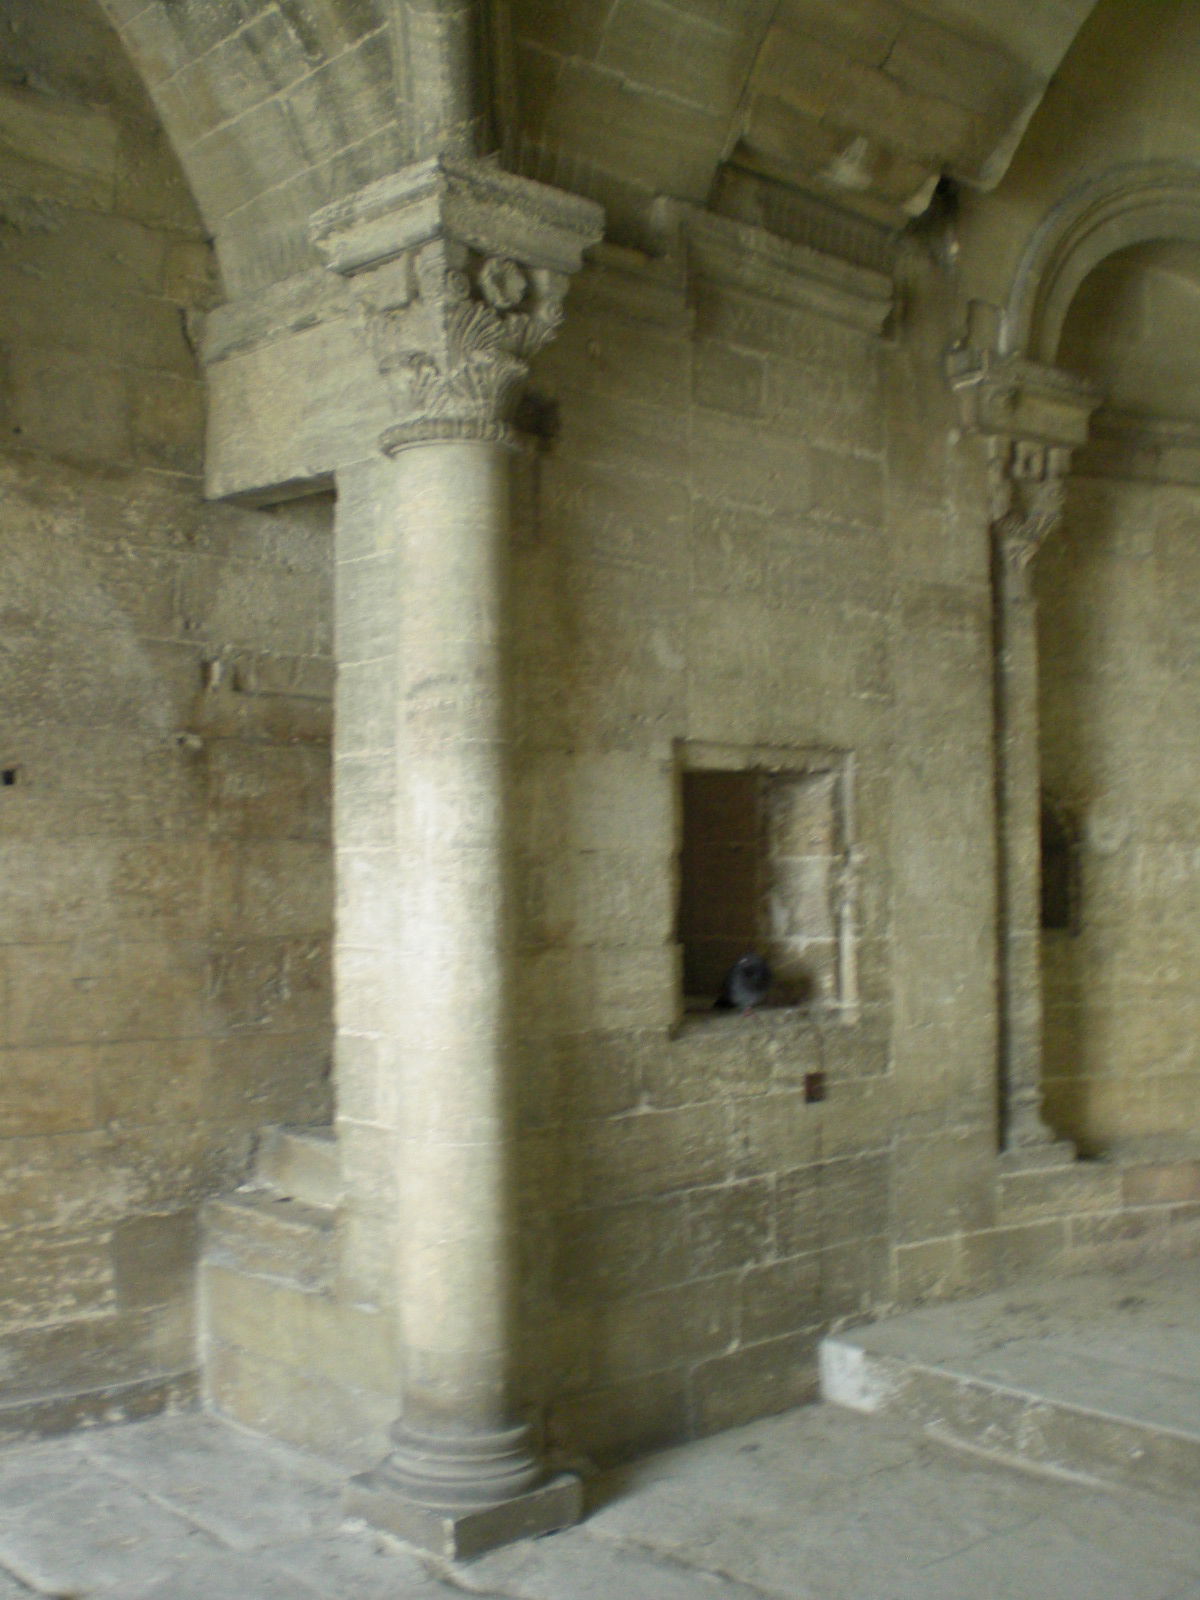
45 1416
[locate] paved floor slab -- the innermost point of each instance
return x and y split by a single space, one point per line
818 1504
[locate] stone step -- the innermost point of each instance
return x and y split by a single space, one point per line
269 1236
1032 1194
300 1164
302 1366
1091 1378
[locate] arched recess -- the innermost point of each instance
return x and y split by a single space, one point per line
1128 205
272 110
1119 675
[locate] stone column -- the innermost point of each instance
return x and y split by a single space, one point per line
460 272
1027 503
1031 418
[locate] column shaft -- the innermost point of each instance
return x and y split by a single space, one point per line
456 1267
1019 804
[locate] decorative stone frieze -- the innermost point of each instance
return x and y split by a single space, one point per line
760 263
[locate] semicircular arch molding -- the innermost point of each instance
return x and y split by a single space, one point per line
272 110
1129 205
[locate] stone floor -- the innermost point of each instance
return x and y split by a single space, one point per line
818 1503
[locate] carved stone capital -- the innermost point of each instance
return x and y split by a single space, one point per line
1026 489
1018 399
1031 418
460 271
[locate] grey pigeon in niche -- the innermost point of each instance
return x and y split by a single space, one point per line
746 984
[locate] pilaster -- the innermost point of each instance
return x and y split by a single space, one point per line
1030 418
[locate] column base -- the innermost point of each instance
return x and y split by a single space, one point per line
459 1533
1034 1157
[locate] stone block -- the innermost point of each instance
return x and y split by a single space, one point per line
846 488
713 1056
666 1331
348 1424
32 1097
1084 1187
998 1256
655 1152
263 1236
618 434
778 1297
755 1381
44 1417
855 1279
726 379
617 1423
166 421
855 1198
267 791
944 1184
606 515
313 1334
1163 1183
70 403
302 1163
932 1270
74 146
268 986
730 1227
774 475
259 1078
777 1132
154 1258
621 1250
54 1273
460 1535
600 350
598 1074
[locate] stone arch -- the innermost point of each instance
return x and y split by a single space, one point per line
272 111
1129 205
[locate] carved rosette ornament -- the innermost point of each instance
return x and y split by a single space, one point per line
460 271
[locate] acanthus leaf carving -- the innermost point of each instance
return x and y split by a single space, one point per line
1027 486
452 332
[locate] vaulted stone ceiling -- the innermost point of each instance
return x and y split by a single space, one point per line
866 102
276 107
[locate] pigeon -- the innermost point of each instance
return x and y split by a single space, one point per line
746 984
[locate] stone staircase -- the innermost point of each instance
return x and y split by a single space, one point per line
1093 1378
285 1351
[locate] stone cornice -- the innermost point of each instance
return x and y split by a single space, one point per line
756 262
1151 449
476 203
1018 399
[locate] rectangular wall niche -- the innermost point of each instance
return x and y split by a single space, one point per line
766 864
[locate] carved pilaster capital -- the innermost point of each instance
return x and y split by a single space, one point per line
1026 489
460 271
1030 418
1009 397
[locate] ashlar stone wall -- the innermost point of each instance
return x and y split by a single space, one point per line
719 565
1117 590
165 681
